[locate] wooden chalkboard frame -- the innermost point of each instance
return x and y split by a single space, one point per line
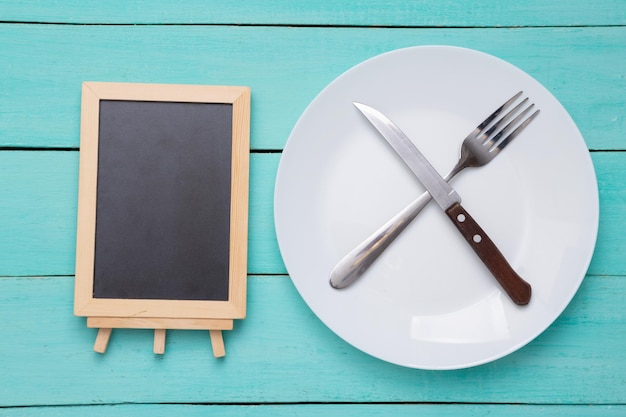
107 313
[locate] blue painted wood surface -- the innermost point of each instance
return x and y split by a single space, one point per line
315 410
442 13
281 353
44 65
281 359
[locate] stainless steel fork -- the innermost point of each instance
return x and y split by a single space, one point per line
478 148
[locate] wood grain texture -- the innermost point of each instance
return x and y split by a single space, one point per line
39 197
518 290
281 359
322 12
102 339
159 341
38 212
217 343
43 67
47 355
158 323
319 410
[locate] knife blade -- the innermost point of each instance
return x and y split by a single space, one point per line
450 202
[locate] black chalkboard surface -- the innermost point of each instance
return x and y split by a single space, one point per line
162 222
163 200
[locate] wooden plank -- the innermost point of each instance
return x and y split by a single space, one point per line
38 212
39 205
609 251
325 12
263 253
43 67
39 334
321 410
38 209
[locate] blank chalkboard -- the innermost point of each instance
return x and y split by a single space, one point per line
163 200
163 196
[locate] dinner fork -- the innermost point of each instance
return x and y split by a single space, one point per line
479 148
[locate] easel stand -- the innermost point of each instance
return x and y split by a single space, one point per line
106 324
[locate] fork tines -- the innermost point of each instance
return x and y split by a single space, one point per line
494 132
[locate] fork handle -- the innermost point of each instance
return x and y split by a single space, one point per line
518 290
359 259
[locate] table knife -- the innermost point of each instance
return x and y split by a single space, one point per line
450 202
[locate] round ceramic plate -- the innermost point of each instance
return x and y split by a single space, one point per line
428 302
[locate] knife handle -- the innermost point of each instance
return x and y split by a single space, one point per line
518 289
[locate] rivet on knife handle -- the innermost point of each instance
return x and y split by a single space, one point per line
518 289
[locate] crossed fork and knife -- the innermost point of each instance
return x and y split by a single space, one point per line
481 146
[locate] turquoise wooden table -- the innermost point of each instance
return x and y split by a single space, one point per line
281 360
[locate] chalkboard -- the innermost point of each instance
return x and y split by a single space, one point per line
162 213
163 205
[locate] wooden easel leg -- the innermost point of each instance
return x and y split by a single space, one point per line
102 340
217 342
159 341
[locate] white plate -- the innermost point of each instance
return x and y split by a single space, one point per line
428 302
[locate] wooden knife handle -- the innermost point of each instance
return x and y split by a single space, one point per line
518 289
